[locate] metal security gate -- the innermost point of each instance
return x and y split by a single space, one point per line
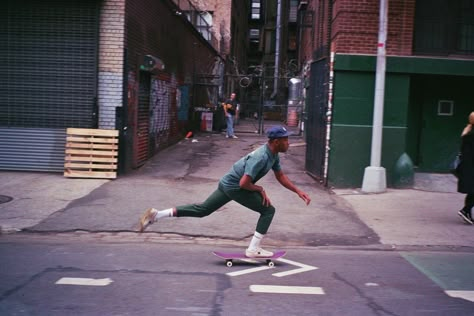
141 137
48 61
316 125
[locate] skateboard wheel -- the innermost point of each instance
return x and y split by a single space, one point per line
270 263
229 263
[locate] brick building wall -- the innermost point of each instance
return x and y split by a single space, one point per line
315 31
111 49
230 31
221 10
153 28
355 26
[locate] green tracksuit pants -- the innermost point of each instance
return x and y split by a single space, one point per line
250 199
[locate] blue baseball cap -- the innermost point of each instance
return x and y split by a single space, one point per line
277 132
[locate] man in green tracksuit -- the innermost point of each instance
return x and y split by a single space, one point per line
239 184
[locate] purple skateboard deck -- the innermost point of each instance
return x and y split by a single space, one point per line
229 256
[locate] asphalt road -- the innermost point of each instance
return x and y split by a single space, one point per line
115 275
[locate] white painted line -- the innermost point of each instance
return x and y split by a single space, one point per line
371 284
303 268
278 289
467 295
84 281
251 270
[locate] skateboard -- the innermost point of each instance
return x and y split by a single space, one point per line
230 256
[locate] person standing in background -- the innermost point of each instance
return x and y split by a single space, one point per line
230 107
466 170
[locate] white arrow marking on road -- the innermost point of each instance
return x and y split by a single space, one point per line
467 295
302 268
287 289
236 273
84 281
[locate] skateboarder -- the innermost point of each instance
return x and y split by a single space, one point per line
239 184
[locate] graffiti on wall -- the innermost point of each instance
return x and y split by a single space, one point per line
165 103
160 106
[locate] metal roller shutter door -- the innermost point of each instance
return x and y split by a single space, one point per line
48 55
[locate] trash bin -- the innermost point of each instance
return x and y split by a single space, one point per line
206 121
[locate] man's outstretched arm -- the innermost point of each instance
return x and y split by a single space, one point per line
285 181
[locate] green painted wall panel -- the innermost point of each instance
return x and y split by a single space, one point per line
413 88
352 125
412 65
350 154
396 100
354 91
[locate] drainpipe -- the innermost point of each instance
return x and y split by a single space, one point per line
329 115
221 73
277 51
332 55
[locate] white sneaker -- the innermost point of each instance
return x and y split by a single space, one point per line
147 218
233 136
258 253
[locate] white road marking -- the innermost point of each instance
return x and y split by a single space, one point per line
303 268
467 295
84 281
371 284
279 289
251 270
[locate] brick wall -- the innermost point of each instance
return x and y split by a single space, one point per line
153 28
220 21
356 23
315 34
221 27
355 26
111 48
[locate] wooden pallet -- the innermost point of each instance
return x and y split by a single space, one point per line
91 153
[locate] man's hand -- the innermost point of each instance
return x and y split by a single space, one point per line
246 184
265 198
305 197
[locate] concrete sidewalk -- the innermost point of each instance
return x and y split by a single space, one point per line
188 171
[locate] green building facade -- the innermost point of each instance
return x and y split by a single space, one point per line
426 104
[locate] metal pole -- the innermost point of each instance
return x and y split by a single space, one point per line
376 150
260 108
276 73
374 176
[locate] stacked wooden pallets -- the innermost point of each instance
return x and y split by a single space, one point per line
91 153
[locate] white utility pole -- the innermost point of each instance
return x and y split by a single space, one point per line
374 176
